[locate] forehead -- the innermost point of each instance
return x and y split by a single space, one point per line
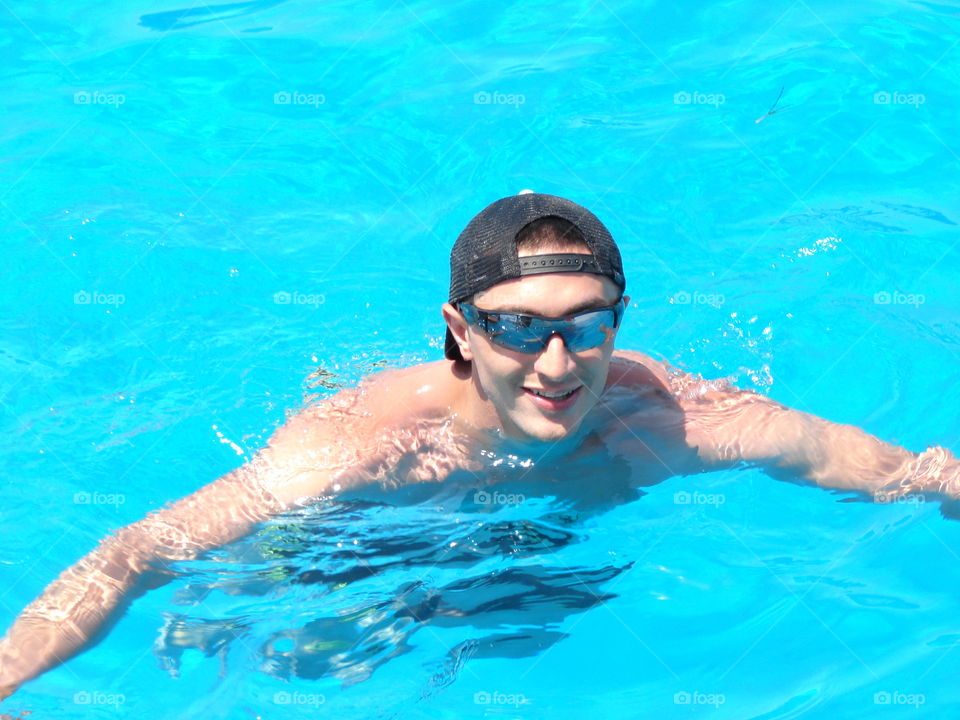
550 294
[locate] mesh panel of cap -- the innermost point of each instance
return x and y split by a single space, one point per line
486 251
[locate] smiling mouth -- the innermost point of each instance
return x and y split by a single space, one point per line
553 400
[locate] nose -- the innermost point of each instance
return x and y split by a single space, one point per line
554 362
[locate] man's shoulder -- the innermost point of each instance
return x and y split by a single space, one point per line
391 398
435 382
634 369
398 395
630 368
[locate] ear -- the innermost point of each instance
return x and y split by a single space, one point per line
458 328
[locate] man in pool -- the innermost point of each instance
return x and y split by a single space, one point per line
536 298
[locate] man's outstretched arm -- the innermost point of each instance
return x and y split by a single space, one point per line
73 607
729 425
307 457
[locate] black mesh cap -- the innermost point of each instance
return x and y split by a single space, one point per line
486 251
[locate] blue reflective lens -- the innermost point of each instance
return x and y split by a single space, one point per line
529 333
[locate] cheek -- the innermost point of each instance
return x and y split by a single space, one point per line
497 371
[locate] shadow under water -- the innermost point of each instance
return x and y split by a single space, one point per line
376 573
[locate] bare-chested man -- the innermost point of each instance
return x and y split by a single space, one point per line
536 297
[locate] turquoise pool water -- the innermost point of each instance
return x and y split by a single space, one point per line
204 205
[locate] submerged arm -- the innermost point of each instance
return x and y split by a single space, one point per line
727 425
305 458
73 607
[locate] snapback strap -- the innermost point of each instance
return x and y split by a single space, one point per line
563 262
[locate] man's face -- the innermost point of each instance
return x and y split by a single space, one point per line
512 384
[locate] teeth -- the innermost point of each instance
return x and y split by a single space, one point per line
552 396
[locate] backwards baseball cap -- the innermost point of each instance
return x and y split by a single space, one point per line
486 251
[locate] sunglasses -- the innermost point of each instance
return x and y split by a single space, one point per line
530 334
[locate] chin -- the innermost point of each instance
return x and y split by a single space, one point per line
555 434
546 431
